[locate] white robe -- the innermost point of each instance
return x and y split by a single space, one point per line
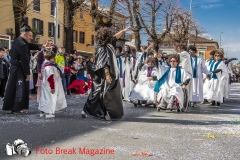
185 63
227 84
127 69
49 103
144 90
170 88
216 86
206 82
197 83
162 68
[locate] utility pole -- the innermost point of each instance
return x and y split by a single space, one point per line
190 22
220 40
56 23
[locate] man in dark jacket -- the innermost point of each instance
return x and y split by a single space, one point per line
17 92
4 69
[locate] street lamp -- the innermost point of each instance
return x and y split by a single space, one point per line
191 7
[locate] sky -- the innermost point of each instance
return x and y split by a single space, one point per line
217 17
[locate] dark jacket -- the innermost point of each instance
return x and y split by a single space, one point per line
20 54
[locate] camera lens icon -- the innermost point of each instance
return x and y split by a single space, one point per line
18 147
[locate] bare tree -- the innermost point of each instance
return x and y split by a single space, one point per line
184 28
70 7
99 15
19 9
133 10
161 19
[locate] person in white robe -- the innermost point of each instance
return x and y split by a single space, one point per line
217 80
185 63
118 50
208 62
144 90
52 95
171 85
198 68
161 65
127 64
141 60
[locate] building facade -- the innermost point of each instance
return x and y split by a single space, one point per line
40 16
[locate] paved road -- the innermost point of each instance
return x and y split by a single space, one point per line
205 132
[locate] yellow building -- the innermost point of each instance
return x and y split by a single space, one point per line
84 29
40 16
83 32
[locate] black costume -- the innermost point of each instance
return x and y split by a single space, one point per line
17 91
104 98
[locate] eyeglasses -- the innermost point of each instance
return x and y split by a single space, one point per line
217 55
173 61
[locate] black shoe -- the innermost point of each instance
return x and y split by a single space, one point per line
218 103
212 103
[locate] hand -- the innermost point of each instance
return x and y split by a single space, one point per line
40 76
150 78
52 91
127 29
28 78
108 78
184 87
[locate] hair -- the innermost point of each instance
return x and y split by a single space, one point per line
150 60
5 47
220 53
49 54
213 52
104 36
150 52
133 50
193 48
1 50
129 51
144 47
176 56
119 47
181 46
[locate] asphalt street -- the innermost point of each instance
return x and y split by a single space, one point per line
205 132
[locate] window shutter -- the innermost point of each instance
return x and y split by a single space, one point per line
49 29
41 28
26 20
33 24
76 36
58 31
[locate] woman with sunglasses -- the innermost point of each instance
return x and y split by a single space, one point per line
171 85
217 80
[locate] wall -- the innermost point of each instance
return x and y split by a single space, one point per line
6 16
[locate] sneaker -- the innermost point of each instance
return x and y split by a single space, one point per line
163 107
170 106
42 114
49 116
84 115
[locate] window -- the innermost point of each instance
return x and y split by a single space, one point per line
38 25
75 36
53 7
82 37
201 54
51 30
36 5
92 42
81 13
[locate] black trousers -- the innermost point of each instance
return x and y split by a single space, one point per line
3 83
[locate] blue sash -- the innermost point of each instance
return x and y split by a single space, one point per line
194 67
160 82
214 76
119 62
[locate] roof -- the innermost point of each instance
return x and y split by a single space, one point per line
192 38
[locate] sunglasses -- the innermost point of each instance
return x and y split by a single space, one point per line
173 61
217 55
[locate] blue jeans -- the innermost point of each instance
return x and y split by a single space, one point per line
66 80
